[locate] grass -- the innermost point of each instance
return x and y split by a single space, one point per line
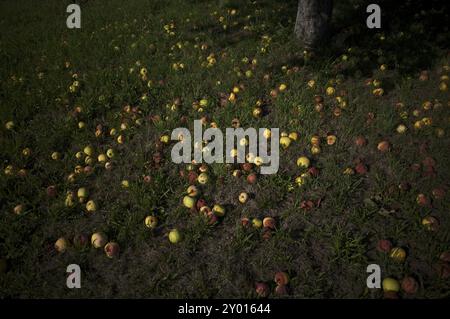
325 249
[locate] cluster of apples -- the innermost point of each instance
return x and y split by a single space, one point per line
281 280
267 224
98 240
308 171
192 199
338 100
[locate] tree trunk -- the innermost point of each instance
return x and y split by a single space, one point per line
313 17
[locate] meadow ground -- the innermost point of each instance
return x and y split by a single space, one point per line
138 69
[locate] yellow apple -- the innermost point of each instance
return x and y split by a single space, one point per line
398 254
55 156
390 284
110 153
202 178
91 206
9 125
188 201
257 223
303 161
61 245
285 141
218 210
98 240
101 158
293 136
243 197
151 221
88 150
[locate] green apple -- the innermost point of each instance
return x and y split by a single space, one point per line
82 192
110 153
390 284
174 236
88 150
188 201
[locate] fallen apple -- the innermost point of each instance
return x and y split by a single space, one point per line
91 206
55 156
243 197
383 146
430 223
360 141
192 191
189 202
82 193
409 285
262 289
269 222
397 254
151 221
218 210
384 245
303 161
281 290
98 240
111 249
390 284
9 125
18 209
202 178
174 236
293 136
281 278
285 141
422 200
88 150
251 178
61 245
257 223
101 158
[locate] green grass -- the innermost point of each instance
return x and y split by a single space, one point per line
325 249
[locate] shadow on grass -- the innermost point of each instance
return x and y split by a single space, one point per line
413 35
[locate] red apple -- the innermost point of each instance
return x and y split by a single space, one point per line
262 289
384 245
409 285
251 179
281 290
360 141
111 249
51 191
281 278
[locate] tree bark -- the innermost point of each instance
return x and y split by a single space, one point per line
313 18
